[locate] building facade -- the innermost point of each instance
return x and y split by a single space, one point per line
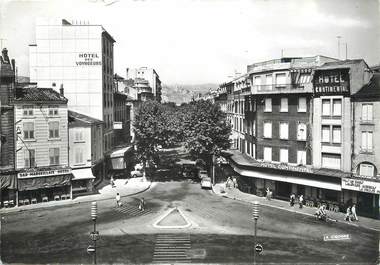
85 152
363 187
151 76
81 58
8 177
298 131
42 155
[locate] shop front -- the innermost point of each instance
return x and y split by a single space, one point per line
120 161
316 188
8 188
364 191
44 185
82 181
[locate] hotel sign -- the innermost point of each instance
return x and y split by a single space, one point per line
44 173
361 185
331 82
88 59
286 167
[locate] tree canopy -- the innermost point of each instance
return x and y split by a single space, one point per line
200 125
205 128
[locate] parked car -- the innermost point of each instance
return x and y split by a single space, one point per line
202 174
206 183
138 171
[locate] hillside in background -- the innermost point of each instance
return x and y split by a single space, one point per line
180 93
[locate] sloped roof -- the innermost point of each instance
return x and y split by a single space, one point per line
38 94
330 65
81 118
371 90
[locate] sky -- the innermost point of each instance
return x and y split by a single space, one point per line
205 41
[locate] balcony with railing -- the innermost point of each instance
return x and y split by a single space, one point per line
282 88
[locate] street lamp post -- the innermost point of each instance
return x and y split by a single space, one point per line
95 234
255 214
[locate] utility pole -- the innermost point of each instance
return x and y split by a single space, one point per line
346 50
339 37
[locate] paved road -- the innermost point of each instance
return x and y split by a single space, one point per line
221 232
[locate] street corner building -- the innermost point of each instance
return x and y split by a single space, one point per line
80 56
306 125
42 155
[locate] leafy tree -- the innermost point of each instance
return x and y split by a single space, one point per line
206 130
155 124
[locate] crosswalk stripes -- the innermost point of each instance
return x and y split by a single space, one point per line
132 211
172 248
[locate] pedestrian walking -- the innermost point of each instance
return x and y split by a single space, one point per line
112 182
118 200
269 194
353 212
142 204
348 214
300 201
234 181
292 199
228 182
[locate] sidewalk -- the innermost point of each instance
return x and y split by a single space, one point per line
236 194
132 187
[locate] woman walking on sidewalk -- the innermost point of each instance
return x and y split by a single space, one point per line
300 201
353 211
292 199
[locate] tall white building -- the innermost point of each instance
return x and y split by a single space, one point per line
79 56
150 75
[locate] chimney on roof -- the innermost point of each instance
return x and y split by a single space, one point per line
61 91
127 77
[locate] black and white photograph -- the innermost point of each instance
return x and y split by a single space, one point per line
215 132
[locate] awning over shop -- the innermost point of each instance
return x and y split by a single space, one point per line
44 182
289 179
8 181
82 173
120 152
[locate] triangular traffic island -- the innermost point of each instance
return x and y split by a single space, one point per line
172 219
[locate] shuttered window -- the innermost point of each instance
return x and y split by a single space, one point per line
268 153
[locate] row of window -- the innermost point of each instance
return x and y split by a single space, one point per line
302 104
30 157
284 155
284 130
28 129
239 106
28 110
332 107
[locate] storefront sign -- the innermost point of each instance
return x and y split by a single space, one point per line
286 167
44 173
331 82
361 185
88 59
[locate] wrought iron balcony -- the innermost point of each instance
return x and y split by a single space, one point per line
285 88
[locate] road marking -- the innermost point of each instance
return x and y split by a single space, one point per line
172 248
132 211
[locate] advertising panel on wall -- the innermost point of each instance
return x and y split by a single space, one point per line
361 185
331 82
